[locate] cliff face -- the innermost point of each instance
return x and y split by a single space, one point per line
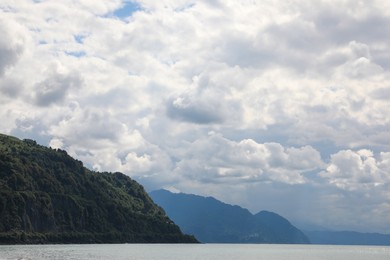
48 197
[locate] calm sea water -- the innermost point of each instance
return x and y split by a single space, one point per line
193 252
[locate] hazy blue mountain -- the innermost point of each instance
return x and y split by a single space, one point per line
347 238
46 196
212 221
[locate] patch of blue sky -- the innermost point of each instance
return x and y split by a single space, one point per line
79 38
7 9
76 54
184 8
127 9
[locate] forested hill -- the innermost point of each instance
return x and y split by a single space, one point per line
46 196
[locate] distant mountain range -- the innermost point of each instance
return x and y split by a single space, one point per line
212 221
46 196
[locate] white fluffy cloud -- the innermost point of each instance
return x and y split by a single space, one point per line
280 104
217 159
359 170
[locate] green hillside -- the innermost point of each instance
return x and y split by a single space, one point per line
46 196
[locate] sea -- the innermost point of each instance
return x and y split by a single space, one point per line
192 252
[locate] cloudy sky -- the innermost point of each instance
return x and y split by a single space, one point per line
277 105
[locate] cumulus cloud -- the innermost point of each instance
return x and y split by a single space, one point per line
11 44
358 170
10 88
381 93
55 88
216 158
237 99
195 110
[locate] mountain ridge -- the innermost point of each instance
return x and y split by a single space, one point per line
213 221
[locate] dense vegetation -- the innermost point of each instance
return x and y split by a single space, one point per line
213 221
48 197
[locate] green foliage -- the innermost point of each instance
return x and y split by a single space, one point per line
48 197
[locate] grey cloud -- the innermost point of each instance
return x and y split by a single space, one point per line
207 107
329 61
381 93
31 127
361 68
119 96
11 46
8 56
203 112
240 51
296 35
207 102
299 43
89 125
11 88
381 56
340 27
214 3
55 88
295 44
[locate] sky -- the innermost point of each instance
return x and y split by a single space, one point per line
270 105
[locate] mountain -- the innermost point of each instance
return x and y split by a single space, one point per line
212 221
46 196
348 238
